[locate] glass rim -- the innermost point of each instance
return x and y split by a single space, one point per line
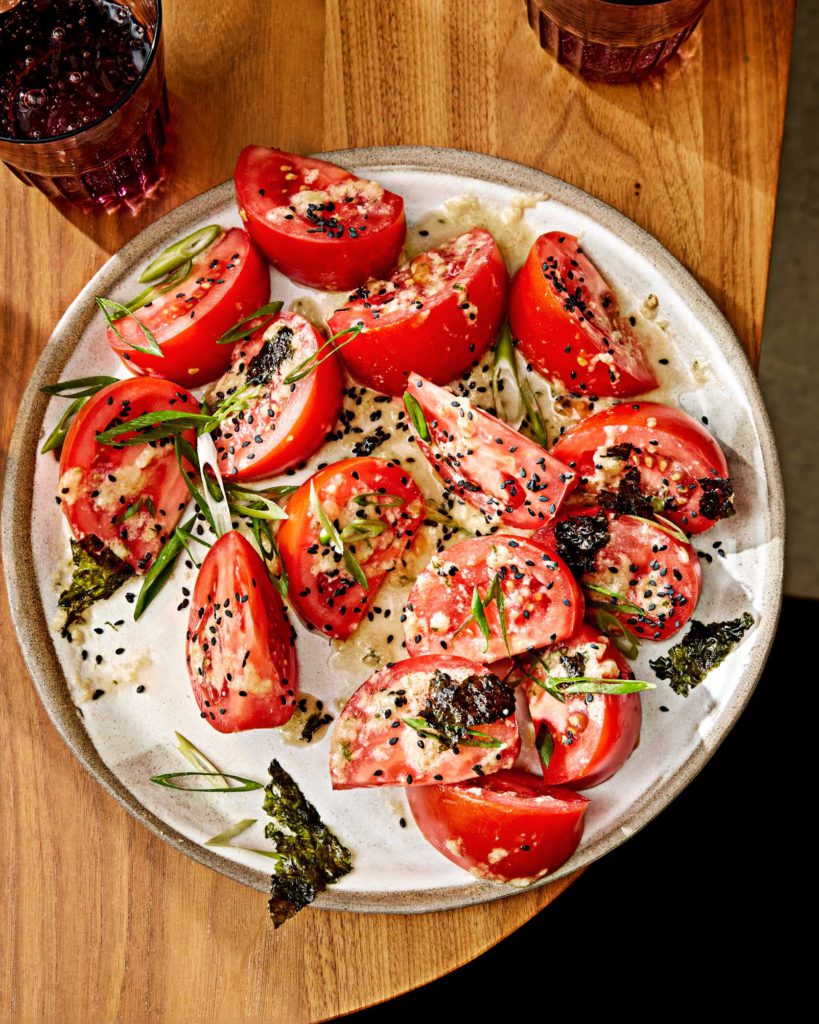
119 104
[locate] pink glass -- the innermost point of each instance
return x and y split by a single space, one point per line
117 161
613 41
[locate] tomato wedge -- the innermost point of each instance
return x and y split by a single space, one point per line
288 422
542 603
422 721
317 223
240 647
593 734
654 450
487 463
437 315
566 319
227 281
377 507
645 576
509 827
131 498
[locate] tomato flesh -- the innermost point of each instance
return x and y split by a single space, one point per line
593 734
322 590
130 498
510 827
436 316
226 283
542 602
288 422
487 463
566 320
317 223
240 647
641 566
373 746
681 467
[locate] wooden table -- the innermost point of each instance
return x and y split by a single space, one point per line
101 921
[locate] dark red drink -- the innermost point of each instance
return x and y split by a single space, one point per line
613 41
82 106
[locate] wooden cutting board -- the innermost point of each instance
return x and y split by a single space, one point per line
100 920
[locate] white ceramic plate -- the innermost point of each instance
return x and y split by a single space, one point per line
126 736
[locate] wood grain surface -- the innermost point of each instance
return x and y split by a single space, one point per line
100 921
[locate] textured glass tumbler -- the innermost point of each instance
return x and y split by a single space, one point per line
610 40
116 162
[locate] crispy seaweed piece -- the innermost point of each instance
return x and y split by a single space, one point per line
628 499
98 573
452 709
309 856
701 649
579 539
274 351
717 501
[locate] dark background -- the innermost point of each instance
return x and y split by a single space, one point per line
707 907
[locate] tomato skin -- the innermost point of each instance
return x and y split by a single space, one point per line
190 355
369 749
562 343
519 483
661 574
88 496
473 823
236 691
604 731
543 603
439 341
308 410
266 182
689 449
334 605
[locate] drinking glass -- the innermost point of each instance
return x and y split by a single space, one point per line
613 40
116 161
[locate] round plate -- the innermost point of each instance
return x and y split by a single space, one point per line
125 738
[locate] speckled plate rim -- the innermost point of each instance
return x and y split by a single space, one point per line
29 619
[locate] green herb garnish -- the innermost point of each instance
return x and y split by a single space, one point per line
168 780
512 393
546 747
416 415
702 648
162 568
179 253
109 306
248 325
328 534
313 362
309 856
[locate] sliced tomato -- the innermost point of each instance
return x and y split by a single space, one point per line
487 463
355 491
131 498
373 744
228 281
592 734
628 563
566 319
317 223
656 450
287 422
542 602
436 316
509 827
240 648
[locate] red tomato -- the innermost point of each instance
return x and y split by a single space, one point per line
362 490
593 733
509 827
487 463
288 422
542 603
317 223
130 498
227 281
566 319
437 315
240 647
634 564
373 746
680 466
